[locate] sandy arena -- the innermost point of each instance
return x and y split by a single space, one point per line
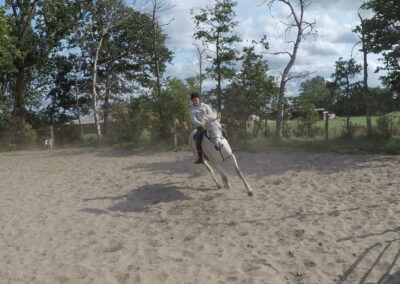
113 216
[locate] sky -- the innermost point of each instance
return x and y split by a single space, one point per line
334 23
335 20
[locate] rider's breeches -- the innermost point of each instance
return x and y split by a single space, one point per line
199 137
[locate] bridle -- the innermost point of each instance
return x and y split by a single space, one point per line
212 140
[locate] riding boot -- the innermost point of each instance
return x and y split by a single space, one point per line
200 160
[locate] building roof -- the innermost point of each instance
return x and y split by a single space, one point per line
87 119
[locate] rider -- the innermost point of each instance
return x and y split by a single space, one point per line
196 116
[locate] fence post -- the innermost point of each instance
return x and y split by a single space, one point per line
51 132
175 135
326 128
391 127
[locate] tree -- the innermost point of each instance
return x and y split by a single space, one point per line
360 29
117 42
308 117
171 109
38 30
8 50
316 92
382 33
128 59
214 27
303 29
200 75
250 90
345 70
100 17
161 54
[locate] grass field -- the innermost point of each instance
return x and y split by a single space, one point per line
357 145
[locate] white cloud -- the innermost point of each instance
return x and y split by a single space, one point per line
335 22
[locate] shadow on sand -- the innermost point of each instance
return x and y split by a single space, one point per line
384 248
262 164
140 199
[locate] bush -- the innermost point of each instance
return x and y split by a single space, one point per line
383 126
353 131
287 130
17 132
308 117
303 129
392 146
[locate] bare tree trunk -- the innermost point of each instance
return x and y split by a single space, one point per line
78 111
366 91
51 132
110 24
23 23
366 95
106 103
280 109
94 90
304 29
175 136
326 128
200 55
284 79
155 49
19 91
348 105
219 78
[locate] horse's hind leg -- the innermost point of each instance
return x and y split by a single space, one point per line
239 173
209 168
223 176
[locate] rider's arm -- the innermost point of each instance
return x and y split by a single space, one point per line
194 119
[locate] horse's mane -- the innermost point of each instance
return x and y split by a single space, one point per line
211 116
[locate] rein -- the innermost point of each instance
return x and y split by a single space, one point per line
219 151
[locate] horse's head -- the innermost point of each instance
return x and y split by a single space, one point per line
214 130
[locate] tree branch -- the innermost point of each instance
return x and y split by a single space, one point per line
282 52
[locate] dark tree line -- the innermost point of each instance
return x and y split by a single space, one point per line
62 59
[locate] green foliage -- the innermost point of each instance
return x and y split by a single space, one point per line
345 70
172 105
16 133
215 27
130 120
8 50
39 27
249 92
127 47
384 126
287 129
315 91
128 51
133 120
383 36
61 99
308 117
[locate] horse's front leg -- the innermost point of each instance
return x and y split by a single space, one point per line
209 168
223 176
239 173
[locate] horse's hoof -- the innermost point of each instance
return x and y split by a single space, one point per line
250 193
227 186
219 186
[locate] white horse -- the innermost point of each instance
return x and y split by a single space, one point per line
49 143
216 151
